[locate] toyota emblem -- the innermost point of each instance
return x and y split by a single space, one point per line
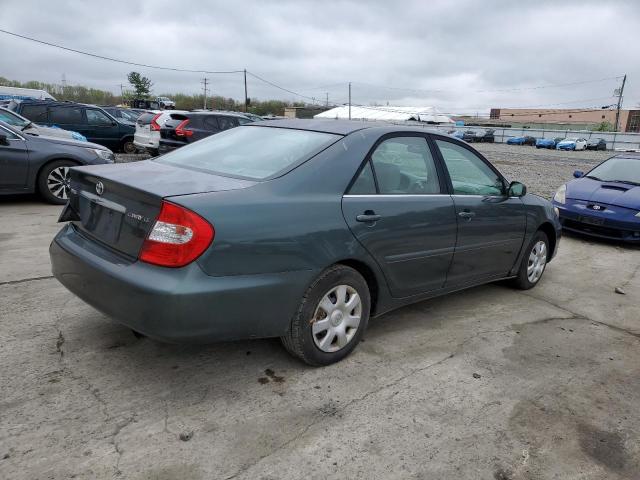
99 188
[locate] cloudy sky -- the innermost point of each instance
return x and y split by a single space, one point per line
460 56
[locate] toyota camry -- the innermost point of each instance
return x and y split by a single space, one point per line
299 229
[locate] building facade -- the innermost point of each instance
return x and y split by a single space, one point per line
580 118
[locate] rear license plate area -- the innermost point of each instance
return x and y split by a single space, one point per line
100 217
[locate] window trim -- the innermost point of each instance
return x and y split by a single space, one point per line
444 187
11 132
505 183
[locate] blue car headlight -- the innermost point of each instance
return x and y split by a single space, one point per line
561 195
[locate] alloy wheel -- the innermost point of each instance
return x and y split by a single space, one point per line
58 182
336 318
537 261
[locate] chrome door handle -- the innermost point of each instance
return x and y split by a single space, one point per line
368 217
467 215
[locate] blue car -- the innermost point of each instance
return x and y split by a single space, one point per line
524 140
572 144
605 202
546 143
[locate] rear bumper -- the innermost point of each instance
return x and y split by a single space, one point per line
176 305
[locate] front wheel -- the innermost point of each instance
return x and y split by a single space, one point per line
331 319
53 181
533 263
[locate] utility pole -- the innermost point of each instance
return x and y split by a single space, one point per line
327 104
620 92
349 100
204 88
246 98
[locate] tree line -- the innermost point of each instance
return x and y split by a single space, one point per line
82 94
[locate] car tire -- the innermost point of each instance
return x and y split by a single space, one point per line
53 181
533 262
316 332
128 147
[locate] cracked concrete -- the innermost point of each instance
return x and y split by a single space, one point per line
554 395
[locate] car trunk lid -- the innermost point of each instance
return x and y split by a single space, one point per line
117 204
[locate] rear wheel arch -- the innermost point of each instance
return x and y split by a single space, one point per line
127 140
370 277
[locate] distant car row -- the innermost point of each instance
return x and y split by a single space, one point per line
560 143
158 133
471 136
119 129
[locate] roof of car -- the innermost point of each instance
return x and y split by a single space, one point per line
340 127
346 127
210 112
634 155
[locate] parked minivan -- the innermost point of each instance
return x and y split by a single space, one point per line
91 121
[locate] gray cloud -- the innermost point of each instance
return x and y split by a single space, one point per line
446 52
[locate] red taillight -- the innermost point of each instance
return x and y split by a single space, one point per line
178 237
155 126
181 131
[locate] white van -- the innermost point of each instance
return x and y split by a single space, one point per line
15 93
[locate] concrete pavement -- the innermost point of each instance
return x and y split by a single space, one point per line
490 383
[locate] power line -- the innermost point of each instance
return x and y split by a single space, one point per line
157 67
518 89
281 88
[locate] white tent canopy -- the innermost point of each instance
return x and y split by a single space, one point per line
399 114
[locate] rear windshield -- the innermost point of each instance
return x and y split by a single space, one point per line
250 152
145 118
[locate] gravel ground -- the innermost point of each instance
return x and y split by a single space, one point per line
541 170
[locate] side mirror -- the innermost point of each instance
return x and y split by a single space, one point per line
3 139
517 189
578 173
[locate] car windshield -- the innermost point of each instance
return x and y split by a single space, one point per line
618 169
570 139
250 152
129 115
13 119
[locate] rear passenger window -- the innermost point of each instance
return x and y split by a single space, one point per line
35 113
227 123
65 115
404 165
211 124
364 184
